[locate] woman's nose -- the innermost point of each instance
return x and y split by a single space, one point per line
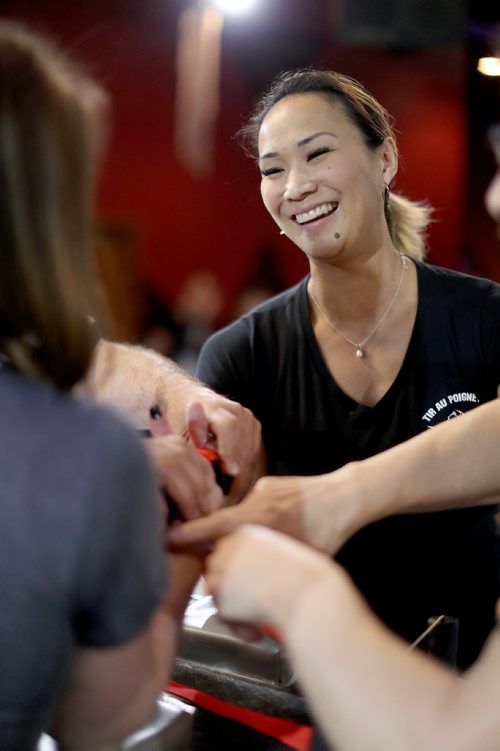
298 185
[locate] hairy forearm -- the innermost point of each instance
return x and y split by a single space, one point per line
133 378
376 695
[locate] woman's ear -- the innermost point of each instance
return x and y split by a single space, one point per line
389 155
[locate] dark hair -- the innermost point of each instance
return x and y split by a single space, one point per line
51 132
407 220
365 112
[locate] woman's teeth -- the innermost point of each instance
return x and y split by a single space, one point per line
323 210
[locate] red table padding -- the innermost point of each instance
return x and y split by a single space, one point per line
286 731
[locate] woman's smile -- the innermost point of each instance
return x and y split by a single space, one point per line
312 215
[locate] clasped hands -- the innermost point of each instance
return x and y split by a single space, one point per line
242 555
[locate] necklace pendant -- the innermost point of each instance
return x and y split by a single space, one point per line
360 353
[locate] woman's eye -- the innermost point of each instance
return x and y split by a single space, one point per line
270 171
318 152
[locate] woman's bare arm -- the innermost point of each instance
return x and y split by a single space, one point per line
367 690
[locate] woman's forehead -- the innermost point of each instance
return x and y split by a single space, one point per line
298 115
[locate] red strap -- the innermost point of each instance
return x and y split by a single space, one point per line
297 736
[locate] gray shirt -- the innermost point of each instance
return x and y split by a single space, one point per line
81 559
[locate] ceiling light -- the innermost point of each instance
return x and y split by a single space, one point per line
489 66
233 6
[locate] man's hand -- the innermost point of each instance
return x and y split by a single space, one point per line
232 430
186 476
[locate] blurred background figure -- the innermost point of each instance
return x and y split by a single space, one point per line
261 282
178 331
196 313
158 329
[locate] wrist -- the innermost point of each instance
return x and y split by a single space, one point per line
369 497
184 570
342 507
282 604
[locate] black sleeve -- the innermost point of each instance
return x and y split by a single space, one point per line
226 363
122 570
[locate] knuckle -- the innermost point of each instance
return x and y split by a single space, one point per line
263 485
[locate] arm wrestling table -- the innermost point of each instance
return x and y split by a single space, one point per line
257 676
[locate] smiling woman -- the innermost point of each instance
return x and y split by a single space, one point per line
368 350
260 577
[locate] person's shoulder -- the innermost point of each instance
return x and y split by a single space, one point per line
70 448
42 412
280 302
115 442
271 315
455 279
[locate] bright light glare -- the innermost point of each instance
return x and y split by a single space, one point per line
234 6
489 66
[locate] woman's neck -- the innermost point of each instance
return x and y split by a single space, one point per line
358 290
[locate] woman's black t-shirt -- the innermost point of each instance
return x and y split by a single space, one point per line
409 567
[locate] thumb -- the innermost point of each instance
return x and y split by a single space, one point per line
197 423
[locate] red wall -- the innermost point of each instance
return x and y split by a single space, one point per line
182 224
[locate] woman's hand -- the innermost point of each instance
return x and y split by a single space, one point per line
302 507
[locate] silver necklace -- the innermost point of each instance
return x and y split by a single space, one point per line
361 352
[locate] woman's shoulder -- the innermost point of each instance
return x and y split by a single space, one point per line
455 282
271 312
282 302
262 329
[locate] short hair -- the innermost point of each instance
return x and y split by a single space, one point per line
52 130
407 220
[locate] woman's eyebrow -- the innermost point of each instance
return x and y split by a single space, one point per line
308 139
269 155
302 142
